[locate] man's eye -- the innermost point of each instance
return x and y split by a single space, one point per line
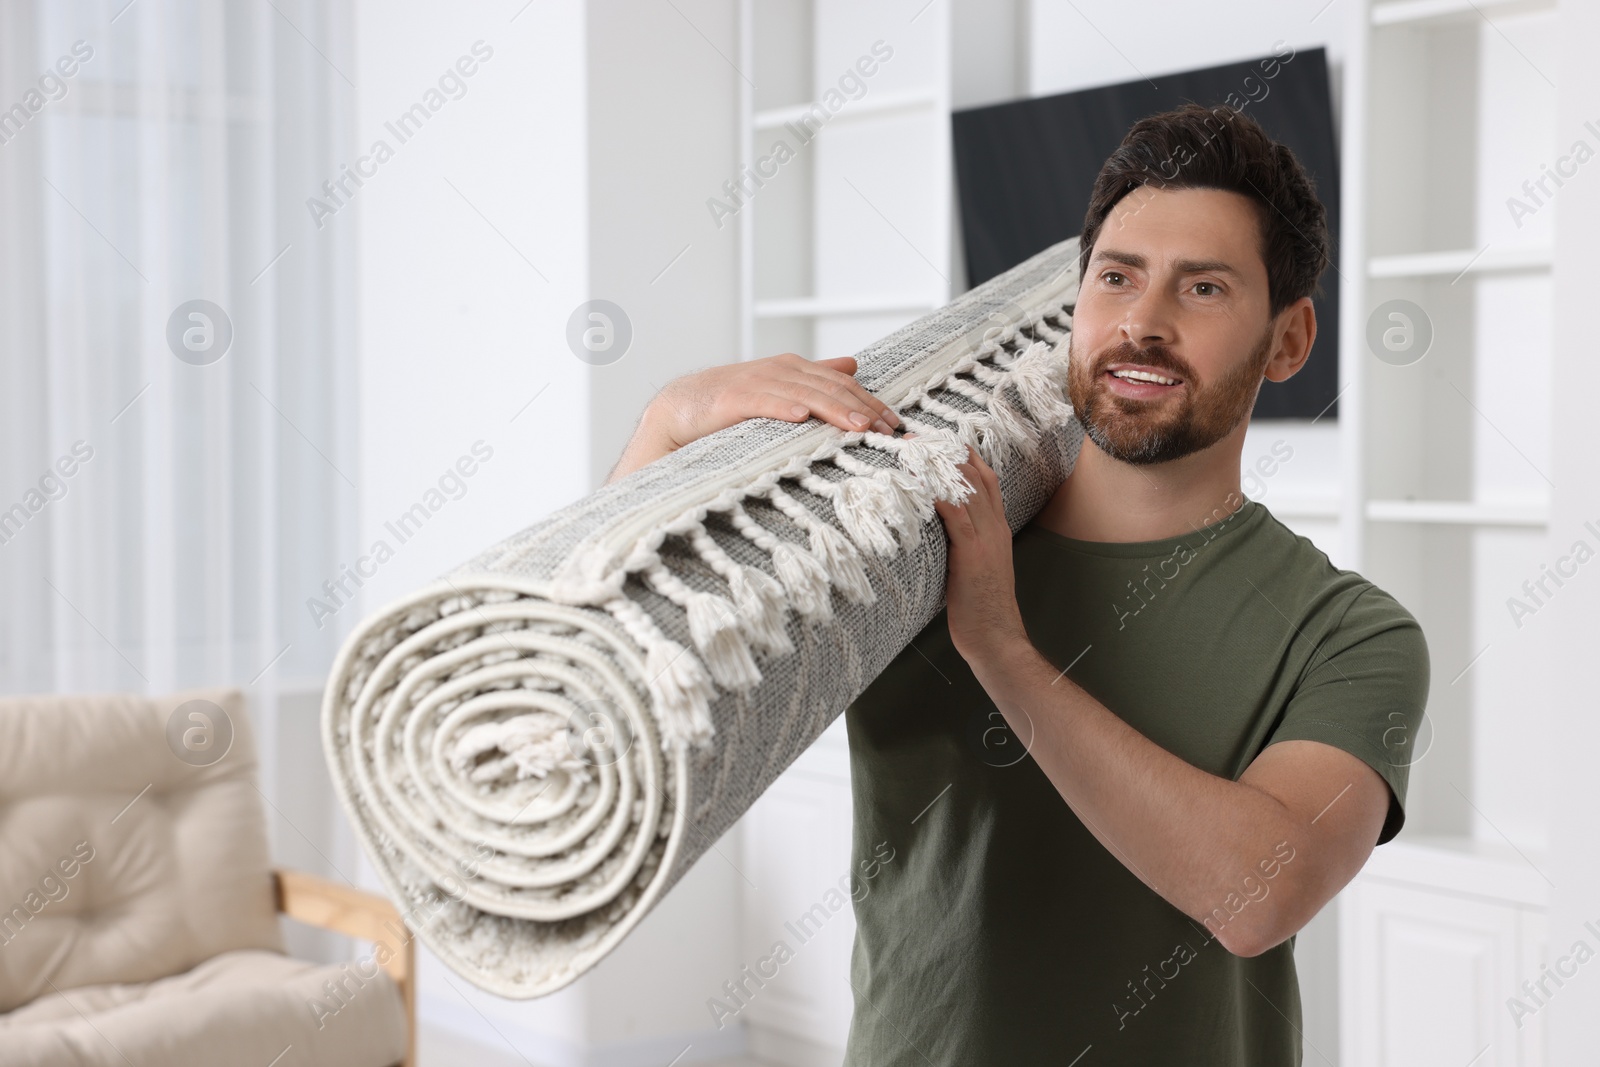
1206 288
1113 277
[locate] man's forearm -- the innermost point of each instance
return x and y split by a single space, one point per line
1187 834
649 443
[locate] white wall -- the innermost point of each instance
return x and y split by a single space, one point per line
989 63
458 328
1077 46
562 175
663 98
1574 736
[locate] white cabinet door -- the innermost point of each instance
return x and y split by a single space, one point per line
1533 947
1426 974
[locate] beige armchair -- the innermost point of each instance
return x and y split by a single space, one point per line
139 914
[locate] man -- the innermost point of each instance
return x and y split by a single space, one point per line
1149 739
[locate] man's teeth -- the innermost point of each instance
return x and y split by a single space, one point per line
1144 376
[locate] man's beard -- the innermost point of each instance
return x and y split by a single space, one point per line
1139 431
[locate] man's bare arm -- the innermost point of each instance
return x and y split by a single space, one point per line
787 387
648 444
1191 836
1252 859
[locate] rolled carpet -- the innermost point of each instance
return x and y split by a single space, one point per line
534 748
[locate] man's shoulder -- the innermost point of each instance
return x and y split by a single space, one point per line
1299 565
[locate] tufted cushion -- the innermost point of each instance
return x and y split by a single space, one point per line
122 862
262 1008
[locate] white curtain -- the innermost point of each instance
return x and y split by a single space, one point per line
163 519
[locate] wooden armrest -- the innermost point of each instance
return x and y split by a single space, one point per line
341 908
365 916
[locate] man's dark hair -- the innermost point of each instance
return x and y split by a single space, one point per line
1193 147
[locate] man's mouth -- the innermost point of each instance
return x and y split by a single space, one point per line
1140 382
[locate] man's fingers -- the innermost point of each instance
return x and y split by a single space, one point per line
791 401
783 374
830 400
988 474
980 467
991 481
843 385
821 404
957 519
985 485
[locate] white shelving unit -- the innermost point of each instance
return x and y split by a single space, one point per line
852 236
1439 490
1449 106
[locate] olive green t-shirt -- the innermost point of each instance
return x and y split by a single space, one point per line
1002 931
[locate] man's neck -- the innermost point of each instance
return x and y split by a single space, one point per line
1110 501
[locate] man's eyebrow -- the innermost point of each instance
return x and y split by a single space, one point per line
1183 266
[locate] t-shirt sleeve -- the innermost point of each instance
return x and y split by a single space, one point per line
1364 691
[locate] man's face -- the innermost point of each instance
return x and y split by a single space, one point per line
1176 286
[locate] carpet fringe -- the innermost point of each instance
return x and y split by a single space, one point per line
1016 378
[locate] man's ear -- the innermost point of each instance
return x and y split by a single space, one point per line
1295 329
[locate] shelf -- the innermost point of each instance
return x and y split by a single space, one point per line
812 307
1458 512
1411 12
1302 507
866 107
1489 260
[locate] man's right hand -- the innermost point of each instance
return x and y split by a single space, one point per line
787 387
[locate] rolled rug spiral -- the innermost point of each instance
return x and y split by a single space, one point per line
534 748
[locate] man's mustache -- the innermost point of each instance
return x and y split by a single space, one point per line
1158 357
